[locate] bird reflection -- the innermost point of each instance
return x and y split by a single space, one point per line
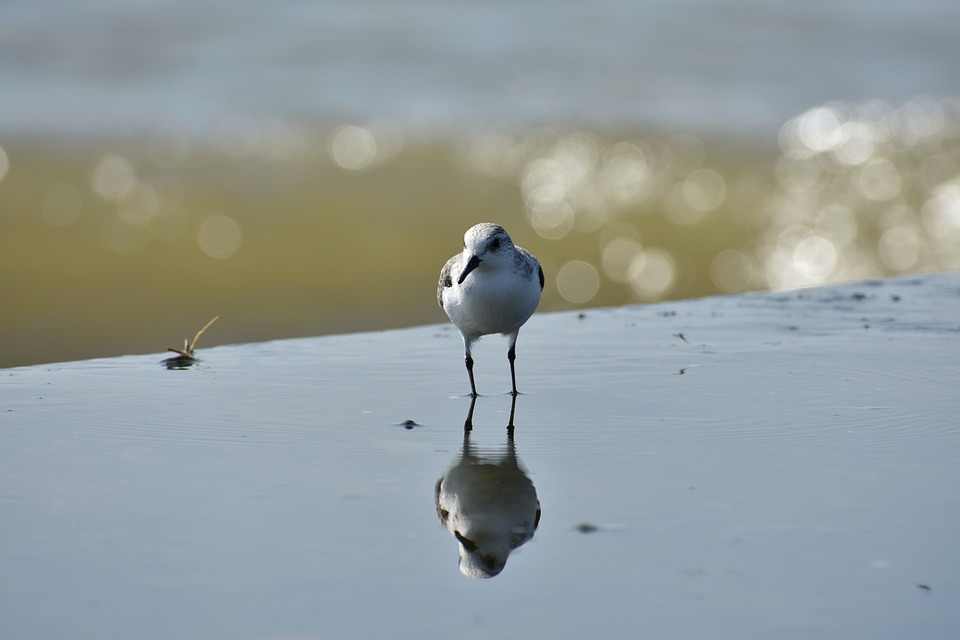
487 501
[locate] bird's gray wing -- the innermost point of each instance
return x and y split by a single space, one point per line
446 278
530 258
442 513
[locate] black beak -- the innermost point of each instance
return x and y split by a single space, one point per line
467 543
472 264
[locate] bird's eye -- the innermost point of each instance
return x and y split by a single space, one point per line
495 244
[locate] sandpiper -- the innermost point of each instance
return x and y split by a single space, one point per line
493 286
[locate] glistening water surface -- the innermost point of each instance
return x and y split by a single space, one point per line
112 248
755 466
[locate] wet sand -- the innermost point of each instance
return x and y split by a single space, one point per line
752 466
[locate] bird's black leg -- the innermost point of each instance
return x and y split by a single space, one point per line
473 387
511 356
468 423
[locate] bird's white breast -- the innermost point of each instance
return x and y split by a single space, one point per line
493 301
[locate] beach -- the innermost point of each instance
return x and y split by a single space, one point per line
736 467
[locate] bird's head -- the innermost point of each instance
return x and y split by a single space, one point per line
485 243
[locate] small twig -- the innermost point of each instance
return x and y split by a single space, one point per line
189 347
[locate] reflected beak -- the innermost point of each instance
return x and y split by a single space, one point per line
467 543
472 264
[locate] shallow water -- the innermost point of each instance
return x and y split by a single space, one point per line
785 468
126 246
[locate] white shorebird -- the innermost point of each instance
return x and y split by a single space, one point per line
493 286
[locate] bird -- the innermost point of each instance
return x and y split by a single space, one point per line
492 286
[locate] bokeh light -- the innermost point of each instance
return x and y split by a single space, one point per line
865 191
219 236
899 248
618 255
704 190
940 214
113 177
353 148
139 205
879 180
652 272
625 173
578 281
857 191
4 164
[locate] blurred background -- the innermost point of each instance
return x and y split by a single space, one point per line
306 167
